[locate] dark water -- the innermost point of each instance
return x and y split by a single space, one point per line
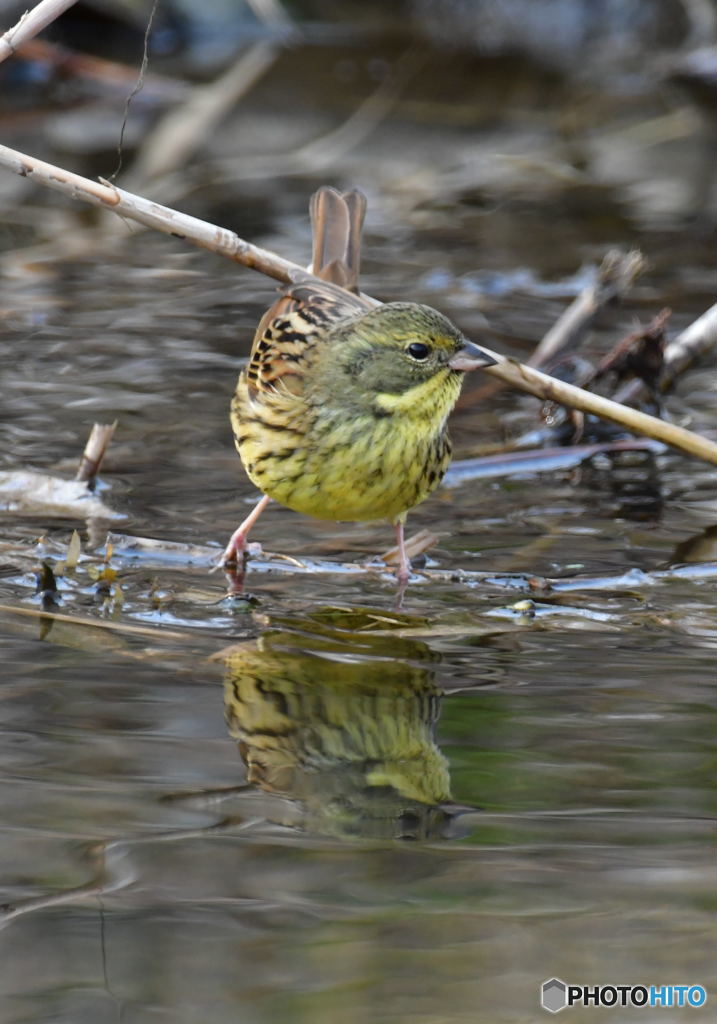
308 806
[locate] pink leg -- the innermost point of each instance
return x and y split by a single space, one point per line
236 547
404 565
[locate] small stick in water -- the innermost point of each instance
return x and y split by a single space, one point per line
95 451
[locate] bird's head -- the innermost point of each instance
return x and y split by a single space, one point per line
395 348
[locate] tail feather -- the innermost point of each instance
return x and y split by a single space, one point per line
337 220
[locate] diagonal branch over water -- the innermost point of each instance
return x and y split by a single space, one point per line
227 243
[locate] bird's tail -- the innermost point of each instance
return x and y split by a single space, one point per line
337 220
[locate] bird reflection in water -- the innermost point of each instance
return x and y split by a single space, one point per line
347 733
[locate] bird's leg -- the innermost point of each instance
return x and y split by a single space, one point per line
404 564
234 575
236 548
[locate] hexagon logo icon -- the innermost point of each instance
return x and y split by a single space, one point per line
553 995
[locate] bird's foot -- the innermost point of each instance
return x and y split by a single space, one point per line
237 552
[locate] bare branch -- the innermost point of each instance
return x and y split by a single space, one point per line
152 215
227 243
525 378
86 620
30 24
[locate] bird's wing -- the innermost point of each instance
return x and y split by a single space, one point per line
306 310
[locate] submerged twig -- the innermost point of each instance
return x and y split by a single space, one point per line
539 460
227 243
85 620
149 552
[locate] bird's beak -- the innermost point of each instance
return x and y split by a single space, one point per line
471 357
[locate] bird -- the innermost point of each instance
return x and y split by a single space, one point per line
341 412
351 740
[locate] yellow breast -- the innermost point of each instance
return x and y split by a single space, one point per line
325 462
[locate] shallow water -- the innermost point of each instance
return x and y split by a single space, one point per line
307 805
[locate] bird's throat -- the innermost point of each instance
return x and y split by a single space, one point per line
431 399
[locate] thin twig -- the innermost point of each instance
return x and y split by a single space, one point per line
525 378
30 24
227 243
539 460
136 89
175 139
84 620
616 275
153 215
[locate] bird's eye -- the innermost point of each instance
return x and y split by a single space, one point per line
418 351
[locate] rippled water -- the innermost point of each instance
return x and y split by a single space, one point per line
307 805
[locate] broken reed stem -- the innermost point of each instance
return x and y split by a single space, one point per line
95 450
227 243
30 24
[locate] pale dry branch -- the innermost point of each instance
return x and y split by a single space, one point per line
227 243
153 215
415 545
30 24
525 378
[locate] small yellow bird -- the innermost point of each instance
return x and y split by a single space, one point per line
341 412
351 741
